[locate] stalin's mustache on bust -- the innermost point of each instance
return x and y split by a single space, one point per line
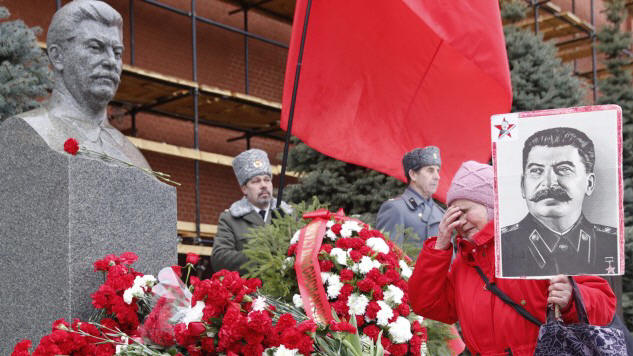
556 193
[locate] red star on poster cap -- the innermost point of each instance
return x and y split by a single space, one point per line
504 128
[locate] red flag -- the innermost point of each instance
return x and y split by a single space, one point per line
380 78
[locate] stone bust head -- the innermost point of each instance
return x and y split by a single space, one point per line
85 48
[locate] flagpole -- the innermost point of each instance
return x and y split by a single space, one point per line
284 163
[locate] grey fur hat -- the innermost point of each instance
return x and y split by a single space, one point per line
251 163
421 157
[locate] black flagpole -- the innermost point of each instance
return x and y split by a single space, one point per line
284 163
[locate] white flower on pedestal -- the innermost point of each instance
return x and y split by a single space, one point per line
283 351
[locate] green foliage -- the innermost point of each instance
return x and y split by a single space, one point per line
266 252
616 88
356 189
539 79
513 10
24 73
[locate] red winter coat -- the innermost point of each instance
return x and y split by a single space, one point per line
490 326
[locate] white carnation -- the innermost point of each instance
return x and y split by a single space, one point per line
331 235
146 281
127 296
325 276
400 330
405 270
259 304
352 225
334 286
295 237
329 224
367 264
194 314
357 304
384 314
297 301
283 351
377 244
339 255
287 264
393 295
346 232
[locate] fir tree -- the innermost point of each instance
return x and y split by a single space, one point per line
616 89
539 79
356 189
24 74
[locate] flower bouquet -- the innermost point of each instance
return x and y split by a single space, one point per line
348 276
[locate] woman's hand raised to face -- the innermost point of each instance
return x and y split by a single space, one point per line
449 222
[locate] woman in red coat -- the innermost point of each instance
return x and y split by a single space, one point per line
448 293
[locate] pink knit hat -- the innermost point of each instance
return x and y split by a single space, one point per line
473 181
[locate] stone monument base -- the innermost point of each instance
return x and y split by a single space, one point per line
60 213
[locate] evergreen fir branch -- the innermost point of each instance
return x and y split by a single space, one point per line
267 251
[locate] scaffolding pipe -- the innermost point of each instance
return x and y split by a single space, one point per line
217 24
535 5
246 54
196 143
132 32
594 65
291 111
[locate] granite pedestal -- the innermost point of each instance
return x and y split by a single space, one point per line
60 213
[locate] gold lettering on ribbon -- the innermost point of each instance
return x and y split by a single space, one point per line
309 273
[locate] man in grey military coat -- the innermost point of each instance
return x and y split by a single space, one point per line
555 237
415 208
254 175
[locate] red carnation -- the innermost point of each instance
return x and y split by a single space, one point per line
22 348
326 247
403 309
372 331
365 250
343 326
336 228
292 250
326 265
177 270
398 349
193 258
346 274
71 146
355 255
365 285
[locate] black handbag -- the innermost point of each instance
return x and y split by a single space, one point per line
556 338
559 339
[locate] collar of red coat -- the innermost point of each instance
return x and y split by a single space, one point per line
481 238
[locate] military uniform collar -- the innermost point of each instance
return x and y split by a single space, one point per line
242 207
551 238
413 199
91 131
